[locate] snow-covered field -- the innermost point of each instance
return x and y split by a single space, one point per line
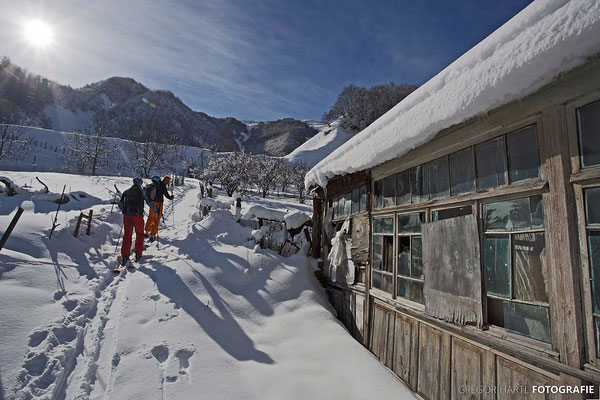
203 316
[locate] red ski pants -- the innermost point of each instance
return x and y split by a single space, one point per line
129 223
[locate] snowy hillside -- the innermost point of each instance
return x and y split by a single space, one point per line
47 148
321 145
207 314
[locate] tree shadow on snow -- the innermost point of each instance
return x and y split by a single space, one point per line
224 329
232 266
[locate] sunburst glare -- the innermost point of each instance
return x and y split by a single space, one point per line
38 33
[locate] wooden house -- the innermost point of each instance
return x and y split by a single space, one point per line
473 248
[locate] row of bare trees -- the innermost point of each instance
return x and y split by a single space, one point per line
240 172
89 150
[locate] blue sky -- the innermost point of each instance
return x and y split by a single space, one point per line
250 59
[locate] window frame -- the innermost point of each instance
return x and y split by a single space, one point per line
451 197
592 347
581 179
482 235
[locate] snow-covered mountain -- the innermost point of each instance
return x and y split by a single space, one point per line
126 108
277 138
329 138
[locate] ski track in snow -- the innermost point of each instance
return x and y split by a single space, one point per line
69 352
206 315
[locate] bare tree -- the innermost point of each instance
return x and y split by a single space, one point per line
232 170
150 150
88 150
299 172
13 142
266 173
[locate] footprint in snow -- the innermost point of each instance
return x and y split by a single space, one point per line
160 352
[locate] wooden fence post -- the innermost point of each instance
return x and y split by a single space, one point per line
76 234
89 227
11 226
54 224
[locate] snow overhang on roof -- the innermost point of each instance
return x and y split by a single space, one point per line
547 38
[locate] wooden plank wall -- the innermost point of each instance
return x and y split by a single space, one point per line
434 363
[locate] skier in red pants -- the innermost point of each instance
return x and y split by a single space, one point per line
132 206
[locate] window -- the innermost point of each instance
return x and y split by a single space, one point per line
383 253
490 164
523 157
439 215
378 193
410 257
438 178
419 185
389 191
402 188
363 198
461 172
509 158
355 201
592 222
349 203
514 266
588 126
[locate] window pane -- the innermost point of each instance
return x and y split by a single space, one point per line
355 201
389 191
402 188
528 320
592 206
383 281
336 207
404 255
514 215
461 172
490 164
378 188
588 124
523 157
341 206
529 281
377 252
410 223
383 225
417 257
363 198
496 259
419 186
438 178
410 290
439 215
594 254
348 204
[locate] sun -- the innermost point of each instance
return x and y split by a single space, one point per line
38 33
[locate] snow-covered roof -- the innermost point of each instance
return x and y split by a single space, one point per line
545 39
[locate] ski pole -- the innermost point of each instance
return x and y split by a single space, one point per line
119 238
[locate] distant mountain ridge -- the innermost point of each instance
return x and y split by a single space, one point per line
127 109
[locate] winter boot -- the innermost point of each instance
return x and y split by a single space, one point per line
146 234
152 237
124 261
138 257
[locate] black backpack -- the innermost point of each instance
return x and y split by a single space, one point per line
151 191
132 201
